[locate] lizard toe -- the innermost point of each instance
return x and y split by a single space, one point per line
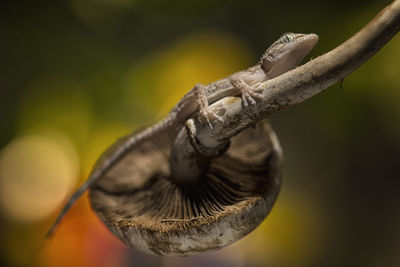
247 98
256 95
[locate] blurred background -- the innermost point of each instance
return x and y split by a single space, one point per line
77 74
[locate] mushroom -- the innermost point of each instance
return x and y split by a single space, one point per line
149 211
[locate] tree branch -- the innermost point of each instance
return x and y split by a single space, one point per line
292 87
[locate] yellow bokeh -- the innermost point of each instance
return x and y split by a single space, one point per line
290 236
101 137
36 174
156 82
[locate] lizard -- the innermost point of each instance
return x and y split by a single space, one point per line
283 55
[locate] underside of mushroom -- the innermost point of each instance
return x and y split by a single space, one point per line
146 209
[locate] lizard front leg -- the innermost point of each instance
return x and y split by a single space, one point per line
205 114
247 91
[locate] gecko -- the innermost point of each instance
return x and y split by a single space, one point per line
283 55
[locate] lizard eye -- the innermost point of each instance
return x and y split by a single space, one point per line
287 37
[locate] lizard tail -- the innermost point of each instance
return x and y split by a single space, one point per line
106 161
72 201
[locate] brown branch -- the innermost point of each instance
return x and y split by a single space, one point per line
295 86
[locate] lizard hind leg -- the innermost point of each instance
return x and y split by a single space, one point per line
248 94
205 113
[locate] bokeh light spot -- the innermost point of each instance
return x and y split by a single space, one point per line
101 137
82 240
290 236
36 173
156 82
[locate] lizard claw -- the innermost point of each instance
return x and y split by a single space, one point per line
248 97
206 114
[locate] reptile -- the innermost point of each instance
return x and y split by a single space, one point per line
283 55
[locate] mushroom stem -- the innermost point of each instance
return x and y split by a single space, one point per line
187 165
190 159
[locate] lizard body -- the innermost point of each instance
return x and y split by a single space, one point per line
282 56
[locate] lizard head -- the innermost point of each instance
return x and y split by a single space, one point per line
287 52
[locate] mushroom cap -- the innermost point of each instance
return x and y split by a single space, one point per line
146 210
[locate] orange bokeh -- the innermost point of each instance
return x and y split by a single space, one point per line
82 240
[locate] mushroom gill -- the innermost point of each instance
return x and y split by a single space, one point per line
144 208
